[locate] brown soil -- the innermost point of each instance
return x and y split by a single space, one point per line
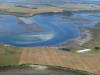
53 56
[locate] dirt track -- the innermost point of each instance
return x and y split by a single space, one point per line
52 56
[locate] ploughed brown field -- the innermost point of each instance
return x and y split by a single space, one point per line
52 56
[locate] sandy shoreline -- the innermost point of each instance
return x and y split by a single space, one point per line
85 36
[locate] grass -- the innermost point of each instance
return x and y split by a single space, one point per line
9 55
20 10
95 41
98 24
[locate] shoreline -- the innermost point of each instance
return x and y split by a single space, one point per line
85 36
69 7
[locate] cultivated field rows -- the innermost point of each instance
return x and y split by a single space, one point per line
52 56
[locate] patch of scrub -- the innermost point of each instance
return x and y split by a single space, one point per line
41 70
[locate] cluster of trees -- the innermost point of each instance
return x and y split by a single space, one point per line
65 49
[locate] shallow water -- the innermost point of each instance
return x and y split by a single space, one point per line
45 29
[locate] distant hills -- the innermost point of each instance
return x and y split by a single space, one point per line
31 3
51 1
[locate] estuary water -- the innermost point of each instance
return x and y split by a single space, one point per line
45 29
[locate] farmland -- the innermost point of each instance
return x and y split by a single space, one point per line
22 11
52 56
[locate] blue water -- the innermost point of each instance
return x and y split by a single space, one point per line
56 28
54 33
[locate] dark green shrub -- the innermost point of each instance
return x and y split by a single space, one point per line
97 48
66 49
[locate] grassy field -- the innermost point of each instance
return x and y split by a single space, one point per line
95 41
52 56
9 55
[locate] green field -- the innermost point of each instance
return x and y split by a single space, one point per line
9 55
94 43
